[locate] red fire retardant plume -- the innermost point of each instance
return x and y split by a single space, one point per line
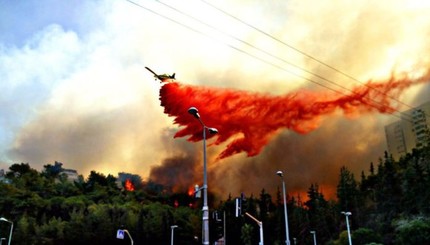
248 121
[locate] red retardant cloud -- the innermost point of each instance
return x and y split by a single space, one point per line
250 120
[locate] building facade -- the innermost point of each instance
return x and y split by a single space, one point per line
411 131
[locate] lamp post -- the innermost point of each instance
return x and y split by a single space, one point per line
347 225
315 237
205 224
131 239
281 174
173 228
11 229
261 227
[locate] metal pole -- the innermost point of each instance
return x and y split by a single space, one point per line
281 174
347 226
172 236
315 237
11 228
349 233
225 236
205 224
131 239
205 193
10 234
286 213
261 233
261 227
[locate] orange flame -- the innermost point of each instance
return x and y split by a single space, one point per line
191 191
128 185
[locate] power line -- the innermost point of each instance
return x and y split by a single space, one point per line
305 54
315 59
254 56
259 49
231 46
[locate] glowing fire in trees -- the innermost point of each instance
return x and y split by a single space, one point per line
128 185
191 191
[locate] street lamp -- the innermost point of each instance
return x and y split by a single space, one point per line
281 174
173 228
347 225
205 225
11 229
131 239
315 237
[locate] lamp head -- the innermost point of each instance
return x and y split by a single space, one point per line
193 111
174 226
213 130
279 173
3 219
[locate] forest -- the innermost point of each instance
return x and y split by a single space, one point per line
389 204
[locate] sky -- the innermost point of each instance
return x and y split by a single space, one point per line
75 88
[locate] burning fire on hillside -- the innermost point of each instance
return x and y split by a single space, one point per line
128 185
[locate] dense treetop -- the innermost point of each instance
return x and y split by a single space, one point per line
389 205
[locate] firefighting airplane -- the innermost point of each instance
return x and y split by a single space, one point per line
161 77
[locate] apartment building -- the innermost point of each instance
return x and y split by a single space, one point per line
411 131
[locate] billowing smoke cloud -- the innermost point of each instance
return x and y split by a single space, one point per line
76 90
253 119
179 170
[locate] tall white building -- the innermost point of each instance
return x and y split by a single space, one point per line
411 131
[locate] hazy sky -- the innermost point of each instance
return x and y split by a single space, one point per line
75 90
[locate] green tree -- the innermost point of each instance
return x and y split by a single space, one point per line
51 232
52 171
17 170
247 234
365 236
77 231
189 224
24 232
155 220
412 232
347 192
388 196
343 239
320 214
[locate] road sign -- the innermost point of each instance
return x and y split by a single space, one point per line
120 234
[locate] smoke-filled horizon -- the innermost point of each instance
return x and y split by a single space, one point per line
75 88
